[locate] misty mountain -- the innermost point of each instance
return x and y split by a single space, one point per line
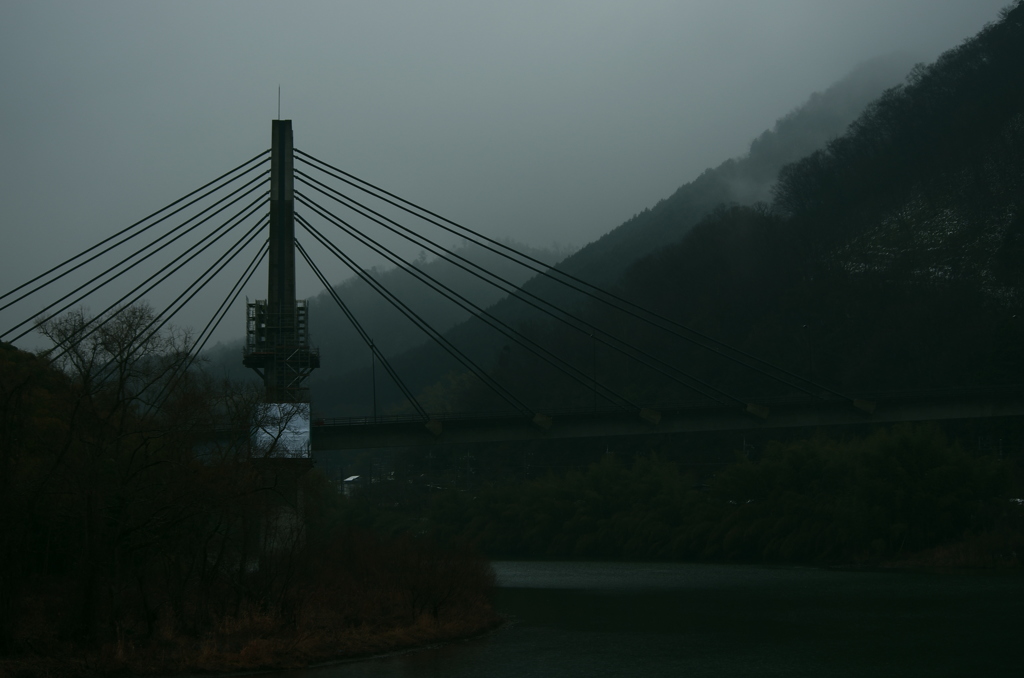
744 180
889 260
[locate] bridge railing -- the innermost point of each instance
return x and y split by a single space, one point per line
944 393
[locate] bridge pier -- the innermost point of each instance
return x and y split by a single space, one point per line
277 348
277 328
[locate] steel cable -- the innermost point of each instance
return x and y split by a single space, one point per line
133 255
467 362
125 230
106 311
518 293
211 326
539 267
533 347
362 333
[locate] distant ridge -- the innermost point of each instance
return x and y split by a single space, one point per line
891 259
743 180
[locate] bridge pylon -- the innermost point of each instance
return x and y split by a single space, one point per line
277 328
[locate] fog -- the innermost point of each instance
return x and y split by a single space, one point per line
542 122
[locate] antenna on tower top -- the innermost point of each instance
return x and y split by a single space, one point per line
278 102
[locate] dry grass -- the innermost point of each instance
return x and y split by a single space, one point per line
984 551
257 647
361 597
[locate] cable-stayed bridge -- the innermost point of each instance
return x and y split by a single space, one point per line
255 212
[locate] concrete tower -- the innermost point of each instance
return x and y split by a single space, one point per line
277 329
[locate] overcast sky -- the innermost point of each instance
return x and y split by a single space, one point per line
548 122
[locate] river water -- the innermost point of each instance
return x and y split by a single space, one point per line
686 620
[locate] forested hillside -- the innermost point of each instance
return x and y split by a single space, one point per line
744 180
888 260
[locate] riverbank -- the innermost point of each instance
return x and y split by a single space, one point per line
703 620
255 643
362 596
231 653
988 551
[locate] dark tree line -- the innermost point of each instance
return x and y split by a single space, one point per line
900 494
144 526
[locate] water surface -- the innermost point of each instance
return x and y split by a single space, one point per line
641 619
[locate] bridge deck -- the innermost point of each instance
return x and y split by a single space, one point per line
358 433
